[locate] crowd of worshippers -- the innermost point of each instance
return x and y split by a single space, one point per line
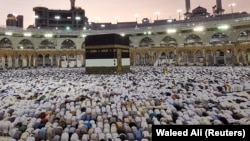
65 104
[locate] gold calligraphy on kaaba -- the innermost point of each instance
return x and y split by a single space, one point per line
93 51
125 50
104 50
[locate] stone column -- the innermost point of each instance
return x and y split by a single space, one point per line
51 60
214 59
58 60
205 60
225 59
244 58
34 61
16 62
24 62
236 57
9 62
30 61
3 62
83 60
43 61
194 59
177 59
186 58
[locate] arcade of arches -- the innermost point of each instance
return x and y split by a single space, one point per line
213 48
25 54
224 55
191 49
212 55
46 58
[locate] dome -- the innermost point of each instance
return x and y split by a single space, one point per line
10 16
199 10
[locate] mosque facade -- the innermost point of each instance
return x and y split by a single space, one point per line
208 42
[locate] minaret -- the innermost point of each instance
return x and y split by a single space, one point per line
219 9
188 6
72 2
218 4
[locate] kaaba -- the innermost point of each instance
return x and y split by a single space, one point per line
107 54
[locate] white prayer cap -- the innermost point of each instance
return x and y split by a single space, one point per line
217 122
196 117
66 130
163 123
231 120
186 117
180 113
248 122
179 122
245 114
195 121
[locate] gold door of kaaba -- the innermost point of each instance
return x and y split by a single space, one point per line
119 60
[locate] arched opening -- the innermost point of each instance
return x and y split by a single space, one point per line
146 42
142 59
219 57
193 40
72 61
248 56
229 57
25 61
54 61
68 44
31 61
171 58
6 62
79 60
168 42
47 60
1 63
5 43
64 61
40 60
47 44
190 57
241 57
147 59
244 37
162 59
199 57
13 61
182 57
25 44
171 55
210 58
154 59
20 61
137 59
219 39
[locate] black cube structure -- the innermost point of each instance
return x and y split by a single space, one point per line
107 54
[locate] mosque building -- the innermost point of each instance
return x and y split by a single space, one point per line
200 39
66 79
